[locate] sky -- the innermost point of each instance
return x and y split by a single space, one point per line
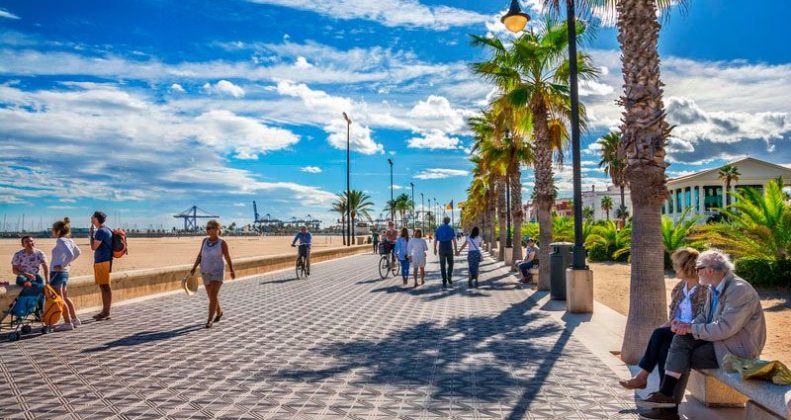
143 109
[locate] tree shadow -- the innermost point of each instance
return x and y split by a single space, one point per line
144 337
471 358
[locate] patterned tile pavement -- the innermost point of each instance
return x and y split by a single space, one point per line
342 344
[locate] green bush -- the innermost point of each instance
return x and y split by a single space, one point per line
598 253
764 272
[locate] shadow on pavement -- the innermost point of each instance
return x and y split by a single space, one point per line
144 337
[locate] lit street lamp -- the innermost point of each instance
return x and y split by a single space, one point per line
348 178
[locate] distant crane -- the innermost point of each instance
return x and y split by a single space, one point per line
191 217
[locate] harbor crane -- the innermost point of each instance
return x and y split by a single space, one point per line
191 216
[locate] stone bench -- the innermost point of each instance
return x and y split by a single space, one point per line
764 400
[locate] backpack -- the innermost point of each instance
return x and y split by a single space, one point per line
53 308
119 243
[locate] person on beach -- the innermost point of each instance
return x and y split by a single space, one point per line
687 301
375 240
212 268
27 265
445 239
401 247
473 255
102 247
416 250
305 238
63 254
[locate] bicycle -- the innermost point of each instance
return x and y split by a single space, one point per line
302 262
388 263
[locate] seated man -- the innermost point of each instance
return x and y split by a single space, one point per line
530 261
304 237
26 264
732 322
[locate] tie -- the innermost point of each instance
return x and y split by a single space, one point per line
715 300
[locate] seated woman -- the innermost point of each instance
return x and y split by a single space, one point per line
687 300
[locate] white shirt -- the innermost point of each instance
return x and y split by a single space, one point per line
64 253
474 243
685 313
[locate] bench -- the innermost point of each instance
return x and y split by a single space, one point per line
764 400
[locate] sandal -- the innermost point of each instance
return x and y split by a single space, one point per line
218 317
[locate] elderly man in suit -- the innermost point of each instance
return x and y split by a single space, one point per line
732 322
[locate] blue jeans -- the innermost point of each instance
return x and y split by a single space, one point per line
58 279
524 267
404 268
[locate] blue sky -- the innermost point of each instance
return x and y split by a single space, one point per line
145 108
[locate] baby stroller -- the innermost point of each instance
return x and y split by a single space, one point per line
23 313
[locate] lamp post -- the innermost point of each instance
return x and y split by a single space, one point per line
348 178
411 184
515 21
392 214
422 214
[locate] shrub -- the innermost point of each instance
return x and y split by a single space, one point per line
598 253
757 271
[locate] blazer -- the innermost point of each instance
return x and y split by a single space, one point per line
698 299
738 325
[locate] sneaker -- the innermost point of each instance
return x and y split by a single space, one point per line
66 326
76 322
657 400
660 414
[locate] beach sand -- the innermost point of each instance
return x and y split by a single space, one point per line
162 252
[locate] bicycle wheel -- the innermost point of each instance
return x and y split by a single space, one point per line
300 269
396 267
384 267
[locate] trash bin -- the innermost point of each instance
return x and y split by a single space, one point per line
559 261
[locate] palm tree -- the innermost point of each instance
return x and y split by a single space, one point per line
613 160
402 204
678 234
615 242
729 174
359 205
339 206
606 205
532 76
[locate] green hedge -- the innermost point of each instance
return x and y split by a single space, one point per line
764 272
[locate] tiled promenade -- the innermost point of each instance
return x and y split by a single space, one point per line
343 344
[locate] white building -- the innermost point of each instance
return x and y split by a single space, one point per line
592 198
703 191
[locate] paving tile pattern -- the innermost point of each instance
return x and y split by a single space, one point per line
342 344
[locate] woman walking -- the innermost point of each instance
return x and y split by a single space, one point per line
416 250
212 268
473 255
63 254
401 251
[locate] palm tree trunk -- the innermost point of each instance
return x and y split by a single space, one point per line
645 133
727 190
501 217
343 223
544 188
491 210
354 240
623 206
516 209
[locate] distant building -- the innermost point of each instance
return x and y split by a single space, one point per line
563 207
703 191
592 198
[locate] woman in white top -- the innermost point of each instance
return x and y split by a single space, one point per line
64 252
416 250
212 268
473 255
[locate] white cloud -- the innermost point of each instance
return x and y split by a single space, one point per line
302 63
439 173
436 113
311 169
175 87
244 135
435 139
239 204
8 15
224 87
393 13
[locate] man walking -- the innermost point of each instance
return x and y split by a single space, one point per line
732 322
445 238
102 246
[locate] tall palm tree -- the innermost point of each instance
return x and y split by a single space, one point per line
359 205
532 76
613 160
729 174
402 204
606 205
339 206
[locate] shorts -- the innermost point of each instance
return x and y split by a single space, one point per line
210 277
58 279
101 273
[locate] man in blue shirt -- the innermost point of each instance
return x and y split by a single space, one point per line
102 246
304 237
446 238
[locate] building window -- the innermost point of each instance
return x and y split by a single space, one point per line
697 199
678 201
669 203
687 197
712 197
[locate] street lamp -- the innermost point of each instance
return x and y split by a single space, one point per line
348 177
422 214
512 20
392 214
413 204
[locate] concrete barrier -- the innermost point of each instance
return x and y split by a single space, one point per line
132 284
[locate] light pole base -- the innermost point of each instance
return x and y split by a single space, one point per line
579 290
509 257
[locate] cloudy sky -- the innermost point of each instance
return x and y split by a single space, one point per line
145 108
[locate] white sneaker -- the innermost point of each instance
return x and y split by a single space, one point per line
76 322
66 326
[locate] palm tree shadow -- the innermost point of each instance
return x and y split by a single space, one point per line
144 337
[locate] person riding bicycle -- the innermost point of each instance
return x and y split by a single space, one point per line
390 238
304 237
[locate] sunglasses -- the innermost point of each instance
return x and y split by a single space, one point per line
701 268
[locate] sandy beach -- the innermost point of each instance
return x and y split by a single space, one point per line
163 252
